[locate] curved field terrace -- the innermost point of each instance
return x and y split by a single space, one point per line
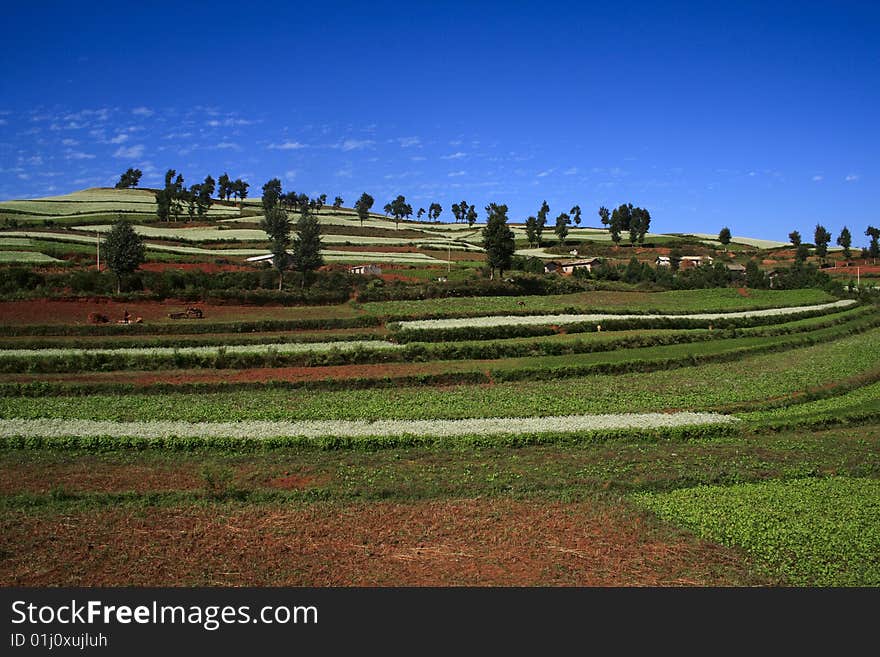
469 440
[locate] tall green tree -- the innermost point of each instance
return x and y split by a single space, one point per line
224 187
420 213
456 212
821 238
604 216
640 221
755 278
129 179
434 211
576 215
124 250
306 253
169 199
621 220
471 216
874 246
845 240
724 236
800 249
192 197
400 209
531 229
498 240
561 228
240 189
205 198
363 205
271 194
337 202
320 202
542 220
276 225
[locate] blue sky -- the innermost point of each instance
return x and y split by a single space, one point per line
759 116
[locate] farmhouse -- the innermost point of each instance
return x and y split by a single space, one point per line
569 267
688 262
552 267
685 262
365 270
736 269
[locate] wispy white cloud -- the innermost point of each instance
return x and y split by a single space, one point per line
571 171
69 142
78 155
4 122
118 139
355 144
228 145
409 142
456 174
547 172
287 146
132 152
818 178
418 158
142 111
852 177
453 156
290 174
344 173
228 122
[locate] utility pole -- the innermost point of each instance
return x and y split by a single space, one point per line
98 245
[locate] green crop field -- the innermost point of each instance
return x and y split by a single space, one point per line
573 432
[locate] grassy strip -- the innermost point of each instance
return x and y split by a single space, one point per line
362 321
816 532
194 340
179 443
47 478
751 378
674 301
855 406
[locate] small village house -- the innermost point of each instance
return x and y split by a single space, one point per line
365 270
569 268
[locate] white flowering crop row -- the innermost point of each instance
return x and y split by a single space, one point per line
58 428
547 320
282 348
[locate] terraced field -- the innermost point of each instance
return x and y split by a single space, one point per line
693 437
776 404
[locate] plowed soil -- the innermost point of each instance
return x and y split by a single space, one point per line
43 311
483 542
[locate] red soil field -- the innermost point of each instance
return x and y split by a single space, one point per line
253 375
483 542
44 311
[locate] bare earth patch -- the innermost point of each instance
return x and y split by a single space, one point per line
45 311
484 542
